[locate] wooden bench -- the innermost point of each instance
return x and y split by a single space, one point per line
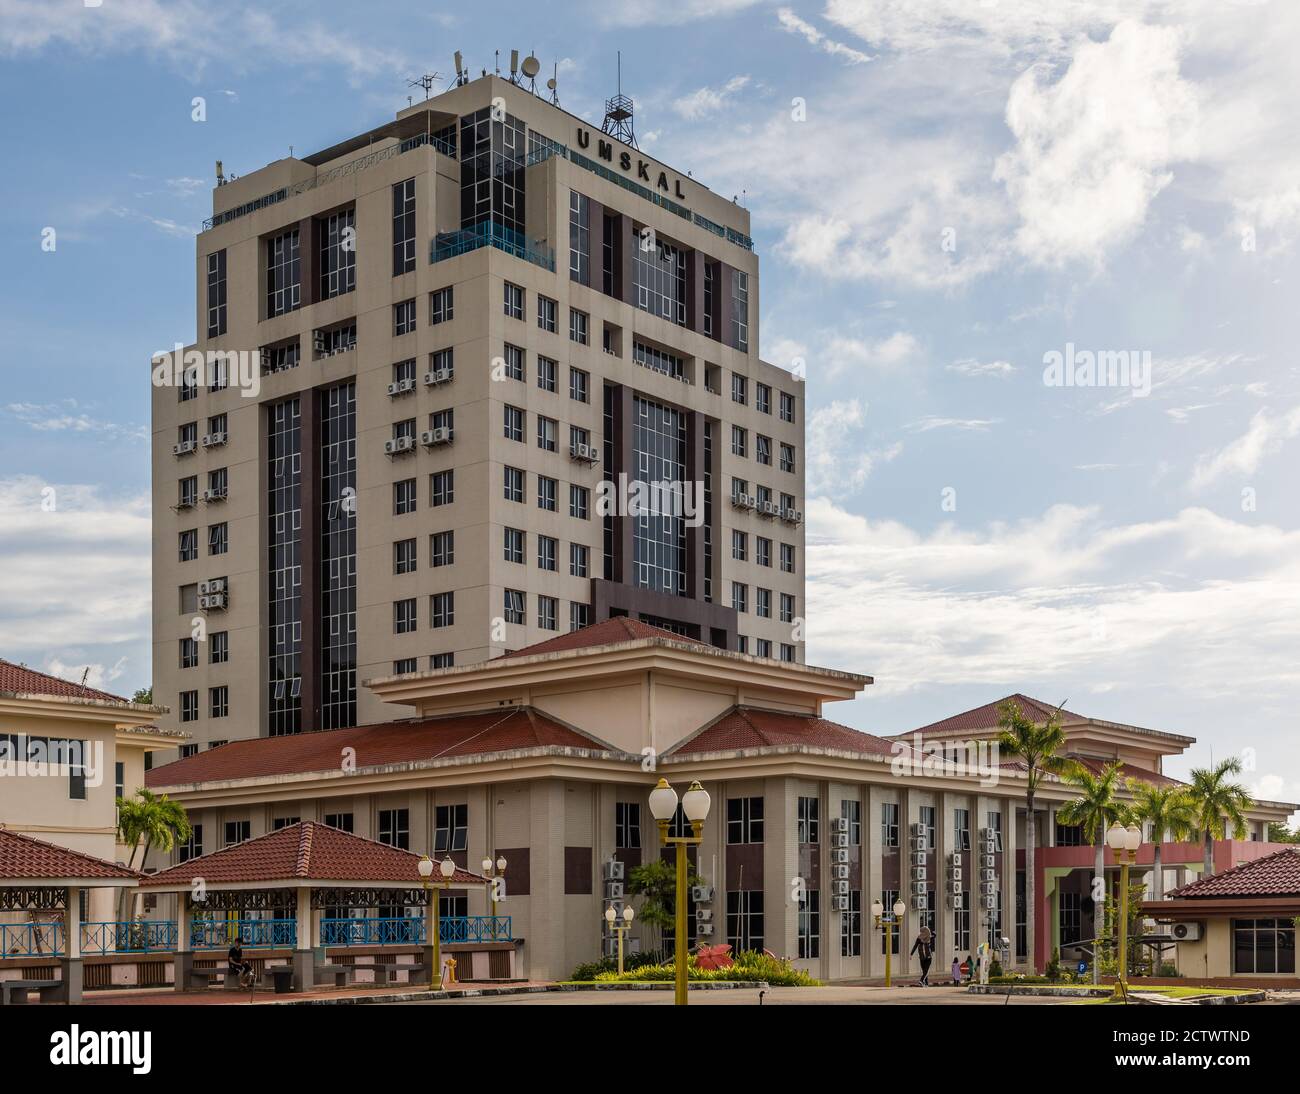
202 978
337 973
14 992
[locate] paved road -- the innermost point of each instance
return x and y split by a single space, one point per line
748 997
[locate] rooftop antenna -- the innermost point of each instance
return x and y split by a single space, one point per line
618 113
497 53
426 81
552 85
462 77
514 66
530 68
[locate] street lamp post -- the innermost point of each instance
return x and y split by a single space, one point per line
886 923
663 807
612 917
1125 843
447 869
500 872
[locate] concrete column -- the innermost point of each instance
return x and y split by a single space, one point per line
305 942
780 864
183 962
70 964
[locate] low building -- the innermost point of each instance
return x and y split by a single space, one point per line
1240 924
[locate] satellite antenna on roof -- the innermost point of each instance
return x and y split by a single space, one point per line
552 85
530 68
618 113
426 81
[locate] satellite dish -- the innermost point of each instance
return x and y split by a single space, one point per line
550 84
531 66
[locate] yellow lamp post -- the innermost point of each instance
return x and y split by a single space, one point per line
886 923
500 872
612 917
663 807
447 869
1125 843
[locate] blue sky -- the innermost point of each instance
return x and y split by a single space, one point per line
943 192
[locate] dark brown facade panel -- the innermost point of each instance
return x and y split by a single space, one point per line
518 873
577 871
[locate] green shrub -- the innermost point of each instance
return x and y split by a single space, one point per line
1168 968
592 969
995 969
748 967
1054 966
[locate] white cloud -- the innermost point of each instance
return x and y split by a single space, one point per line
930 422
1265 435
668 12
969 366
839 462
68 417
709 100
790 22
1095 147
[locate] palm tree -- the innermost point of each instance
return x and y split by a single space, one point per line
146 821
1219 804
1169 811
1093 811
1038 747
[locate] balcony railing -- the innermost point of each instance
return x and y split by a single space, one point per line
491 234
253 934
410 930
31 939
138 936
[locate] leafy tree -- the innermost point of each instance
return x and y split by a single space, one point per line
1093 811
1038 747
144 696
1280 833
147 820
656 883
1171 815
1219 805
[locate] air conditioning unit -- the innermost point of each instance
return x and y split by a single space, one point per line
1187 932
182 448
401 387
588 452
919 888
989 903
954 873
703 915
701 894
433 437
839 904
214 495
839 854
705 930
319 342
955 901
954 885
437 376
212 585
918 858
987 861
988 875
840 824
919 901
612 871
841 839
213 602
840 871
614 890
398 444
185 503
794 516
840 887
988 888
215 438
768 508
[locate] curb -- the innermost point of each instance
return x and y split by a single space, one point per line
1104 992
473 993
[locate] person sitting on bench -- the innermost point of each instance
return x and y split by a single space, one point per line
235 962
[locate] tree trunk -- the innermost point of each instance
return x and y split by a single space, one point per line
1031 840
1209 854
1158 882
1098 907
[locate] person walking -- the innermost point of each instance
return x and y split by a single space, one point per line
923 947
956 971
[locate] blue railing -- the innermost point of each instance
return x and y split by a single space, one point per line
253 934
31 939
410 930
490 234
139 936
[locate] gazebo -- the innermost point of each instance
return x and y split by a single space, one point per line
45 882
298 889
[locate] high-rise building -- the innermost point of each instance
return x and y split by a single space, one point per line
475 377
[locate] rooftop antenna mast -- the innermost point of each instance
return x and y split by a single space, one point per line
426 81
553 84
618 113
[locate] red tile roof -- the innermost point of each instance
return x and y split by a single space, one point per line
986 717
28 859
1277 874
375 745
1129 771
746 727
618 629
20 680
306 851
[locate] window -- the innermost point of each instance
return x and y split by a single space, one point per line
546 373
218 482
547 607
546 311
442 548
403 317
658 360
341 821
851 926
578 326
744 820
762 647
925 814
441 305
745 919
404 620
513 545
187 492
280 358
762 551
514 301
739 545
739 441
889 828
787 608
579 501
188 750
787 458
993 819
762 398
395 828
739 389
189 706
809 925
218 701
404 556
851 811
442 610
961 829
579 438
218 539
238 832
579 238
451 828
710 294
547 489
547 549
579 385
442 487
442 660
763 603
338 253
740 309
888 898
403 497
188 545
403 227
444 419
405 666
787 653
283 274
578 560
514 423
961 923
627 825
548 430
579 615
658 276
514 363
216 294
739 596
787 503
787 558
189 386
513 483
514 606
218 647
763 449
189 653
188 434
193 847
809 820
787 407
